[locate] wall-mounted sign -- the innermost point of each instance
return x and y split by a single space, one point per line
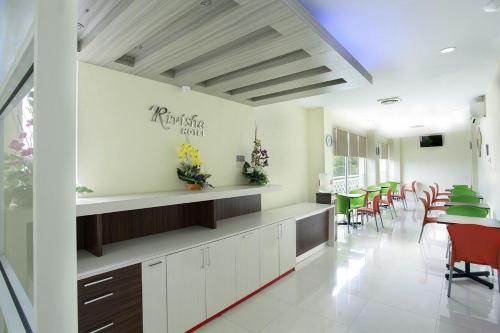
187 124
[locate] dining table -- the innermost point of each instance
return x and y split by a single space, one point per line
467 273
470 204
350 196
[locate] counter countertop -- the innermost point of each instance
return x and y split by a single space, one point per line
102 205
130 252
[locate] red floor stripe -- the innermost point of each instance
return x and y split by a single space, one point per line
203 323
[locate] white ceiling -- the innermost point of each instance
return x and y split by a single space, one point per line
398 42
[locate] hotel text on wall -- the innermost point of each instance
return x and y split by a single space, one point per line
188 124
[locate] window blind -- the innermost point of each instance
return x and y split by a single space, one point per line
384 151
341 143
353 145
362 146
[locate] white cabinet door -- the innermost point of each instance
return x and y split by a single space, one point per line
288 244
220 264
247 264
269 253
186 289
154 296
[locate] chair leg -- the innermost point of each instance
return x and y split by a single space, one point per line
376 224
450 277
394 209
448 249
390 211
421 233
381 221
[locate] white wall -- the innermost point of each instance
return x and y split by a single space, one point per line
121 151
488 167
446 165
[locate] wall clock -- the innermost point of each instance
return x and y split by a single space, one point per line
329 140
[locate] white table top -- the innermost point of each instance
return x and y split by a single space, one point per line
480 205
455 219
130 252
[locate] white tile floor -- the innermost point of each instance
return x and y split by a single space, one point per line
371 282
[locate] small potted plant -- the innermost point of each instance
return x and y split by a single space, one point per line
254 171
190 168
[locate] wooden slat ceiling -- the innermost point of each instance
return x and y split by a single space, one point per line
254 52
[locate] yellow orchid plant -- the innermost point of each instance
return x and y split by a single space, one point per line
190 168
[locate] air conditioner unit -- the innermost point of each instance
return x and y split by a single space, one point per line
478 107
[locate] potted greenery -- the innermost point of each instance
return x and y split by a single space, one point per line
190 168
254 171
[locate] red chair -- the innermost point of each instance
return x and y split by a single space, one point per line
474 244
434 198
413 189
426 219
431 208
441 194
373 210
401 196
389 203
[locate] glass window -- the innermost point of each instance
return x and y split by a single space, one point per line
383 170
339 174
16 220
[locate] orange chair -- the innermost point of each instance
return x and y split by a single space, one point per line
373 210
388 202
431 208
434 198
474 244
413 189
401 196
441 194
426 219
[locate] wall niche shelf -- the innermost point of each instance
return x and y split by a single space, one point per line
106 220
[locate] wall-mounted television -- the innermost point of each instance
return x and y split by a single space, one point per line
431 141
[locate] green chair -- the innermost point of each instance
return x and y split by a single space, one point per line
461 186
343 208
384 187
462 191
372 195
394 187
356 203
465 198
468 211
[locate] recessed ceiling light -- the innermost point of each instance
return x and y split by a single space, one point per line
389 101
448 50
492 6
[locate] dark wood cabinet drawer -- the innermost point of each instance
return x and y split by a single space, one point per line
110 296
120 323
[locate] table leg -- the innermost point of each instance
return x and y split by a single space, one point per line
471 275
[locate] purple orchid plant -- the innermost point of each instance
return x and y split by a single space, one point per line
254 171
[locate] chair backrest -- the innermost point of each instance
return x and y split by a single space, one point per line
376 204
384 187
389 196
358 202
465 198
462 191
434 194
437 187
402 191
372 195
428 196
394 187
342 204
426 207
468 211
461 186
475 244
414 186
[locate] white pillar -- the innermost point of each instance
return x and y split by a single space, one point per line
2 190
55 294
